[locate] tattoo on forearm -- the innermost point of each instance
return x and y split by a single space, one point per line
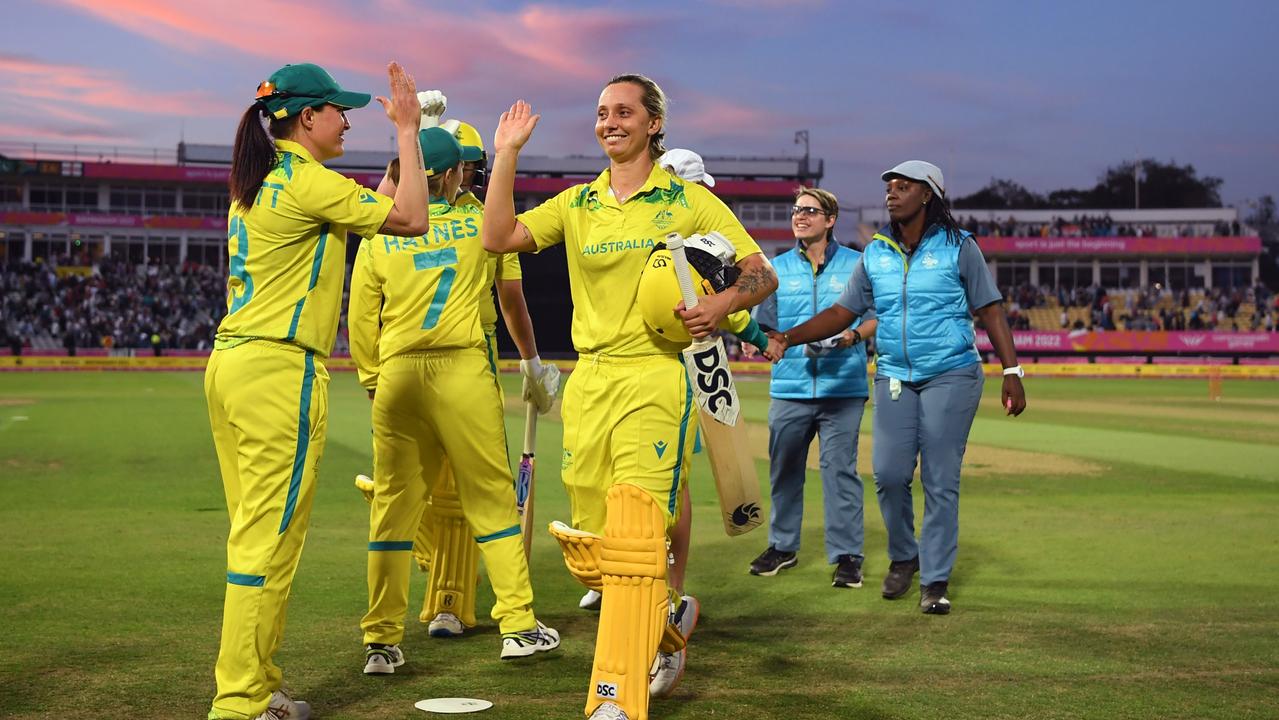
528 235
751 281
417 153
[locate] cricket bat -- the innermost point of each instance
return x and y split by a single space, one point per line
524 481
719 410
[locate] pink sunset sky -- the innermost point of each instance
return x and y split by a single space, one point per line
1047 95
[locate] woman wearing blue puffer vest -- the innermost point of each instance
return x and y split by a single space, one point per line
815 390
925 278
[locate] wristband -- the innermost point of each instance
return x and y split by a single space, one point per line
857 337
754 335
1014 370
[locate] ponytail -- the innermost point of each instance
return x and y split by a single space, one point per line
253 156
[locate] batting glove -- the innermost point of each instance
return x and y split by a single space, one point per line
364 484
541 382
433 105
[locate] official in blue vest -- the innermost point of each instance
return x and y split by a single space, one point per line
818 389
925 278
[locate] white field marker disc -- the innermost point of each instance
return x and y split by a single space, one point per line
452 706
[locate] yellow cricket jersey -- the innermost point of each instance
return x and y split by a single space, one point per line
507 268
608 244
288 252
418 293
498 267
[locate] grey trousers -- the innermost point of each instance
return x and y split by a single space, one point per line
929 420
791 426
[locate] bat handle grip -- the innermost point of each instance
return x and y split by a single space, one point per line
675 243
530 428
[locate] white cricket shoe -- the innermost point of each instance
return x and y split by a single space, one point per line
685 616
591 600
667 670
528 642
283 707
446 625
609 711
382 659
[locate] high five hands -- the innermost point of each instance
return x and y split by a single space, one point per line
515 127
402 108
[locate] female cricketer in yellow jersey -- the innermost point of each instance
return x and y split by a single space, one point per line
628 410
444 546
417 341
266 384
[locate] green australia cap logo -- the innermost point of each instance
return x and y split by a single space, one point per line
293 88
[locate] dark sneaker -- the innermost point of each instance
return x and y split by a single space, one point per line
848 572
900 578
933 600
772 561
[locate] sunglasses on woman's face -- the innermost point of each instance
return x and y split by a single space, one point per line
805 210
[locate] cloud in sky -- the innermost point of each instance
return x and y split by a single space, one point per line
37 132
555 54
537 38
69 103
1044 94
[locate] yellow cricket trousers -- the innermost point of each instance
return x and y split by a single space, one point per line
626 419
268 407
430 405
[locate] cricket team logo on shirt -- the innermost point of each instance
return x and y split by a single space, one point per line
930 261
663 219
588 199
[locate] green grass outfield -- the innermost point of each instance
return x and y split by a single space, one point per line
1119 558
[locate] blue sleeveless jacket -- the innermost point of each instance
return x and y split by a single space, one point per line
925 325
800 295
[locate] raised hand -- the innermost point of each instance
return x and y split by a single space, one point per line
402 108
433 105
515 127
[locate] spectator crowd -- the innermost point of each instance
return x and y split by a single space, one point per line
74 302
112 304
1146 308
1093 226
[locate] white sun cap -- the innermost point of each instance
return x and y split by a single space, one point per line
919 171
686 165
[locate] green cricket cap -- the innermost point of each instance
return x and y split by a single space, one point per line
293 88
440 150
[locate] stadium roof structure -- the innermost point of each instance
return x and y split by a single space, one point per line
794 169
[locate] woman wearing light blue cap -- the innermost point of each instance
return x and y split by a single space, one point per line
925 278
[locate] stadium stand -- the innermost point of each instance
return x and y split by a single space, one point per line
106 254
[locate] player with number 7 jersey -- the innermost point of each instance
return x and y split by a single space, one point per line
420 351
